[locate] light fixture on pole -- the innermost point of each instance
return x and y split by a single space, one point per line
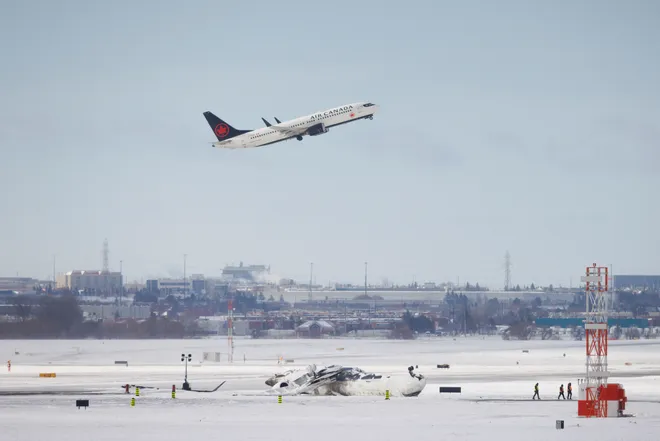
186 359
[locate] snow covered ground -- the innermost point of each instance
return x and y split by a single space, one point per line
496 377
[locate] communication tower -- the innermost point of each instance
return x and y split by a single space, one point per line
597 292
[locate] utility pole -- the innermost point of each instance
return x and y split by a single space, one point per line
311 272
230 330
121 281
185 287
106 254
365 290
54 280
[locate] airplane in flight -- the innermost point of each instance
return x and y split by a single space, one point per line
315 124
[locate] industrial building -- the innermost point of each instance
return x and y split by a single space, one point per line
18 284
196 284
111 312
250 273
629 281
95 281
169 286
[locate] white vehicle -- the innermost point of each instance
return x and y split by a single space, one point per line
316 124
349 381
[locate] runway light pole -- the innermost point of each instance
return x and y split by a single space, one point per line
186 359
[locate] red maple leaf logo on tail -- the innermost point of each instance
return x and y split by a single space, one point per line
221 130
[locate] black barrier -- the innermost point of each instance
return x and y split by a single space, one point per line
450 390
443 366
125 363
82 403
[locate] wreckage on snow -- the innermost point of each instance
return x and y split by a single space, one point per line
348 381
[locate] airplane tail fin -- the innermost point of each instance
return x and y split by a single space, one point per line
278 121
266 122
223 131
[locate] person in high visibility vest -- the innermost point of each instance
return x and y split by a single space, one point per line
536 392
570 392
561 392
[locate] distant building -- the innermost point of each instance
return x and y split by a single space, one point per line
199 284
315 329
18 284
637 282
216 287
170 286
152 285
250 273
106 312
196 284
96 281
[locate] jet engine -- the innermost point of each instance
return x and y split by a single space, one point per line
317 129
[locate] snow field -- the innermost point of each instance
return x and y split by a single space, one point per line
486 369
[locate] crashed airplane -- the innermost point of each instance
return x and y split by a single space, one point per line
347 381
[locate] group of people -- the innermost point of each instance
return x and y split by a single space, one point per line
561 392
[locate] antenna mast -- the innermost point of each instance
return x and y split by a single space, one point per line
106 255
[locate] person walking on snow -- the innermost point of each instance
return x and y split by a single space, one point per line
561 392
536 392
570 392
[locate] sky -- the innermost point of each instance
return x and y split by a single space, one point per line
532 127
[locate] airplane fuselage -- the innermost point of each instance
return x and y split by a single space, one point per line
310 125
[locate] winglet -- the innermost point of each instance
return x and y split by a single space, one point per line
278 121
266 122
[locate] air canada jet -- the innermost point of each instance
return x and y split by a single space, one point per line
315 124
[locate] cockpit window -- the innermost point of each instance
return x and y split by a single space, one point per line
368 104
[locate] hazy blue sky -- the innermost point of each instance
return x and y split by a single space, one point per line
527 126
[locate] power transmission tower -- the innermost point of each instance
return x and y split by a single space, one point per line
507 271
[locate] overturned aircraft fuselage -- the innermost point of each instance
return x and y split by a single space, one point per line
348 381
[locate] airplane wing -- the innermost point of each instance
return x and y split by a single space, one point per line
290 132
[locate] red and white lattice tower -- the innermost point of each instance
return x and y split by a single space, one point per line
230 331
597 297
